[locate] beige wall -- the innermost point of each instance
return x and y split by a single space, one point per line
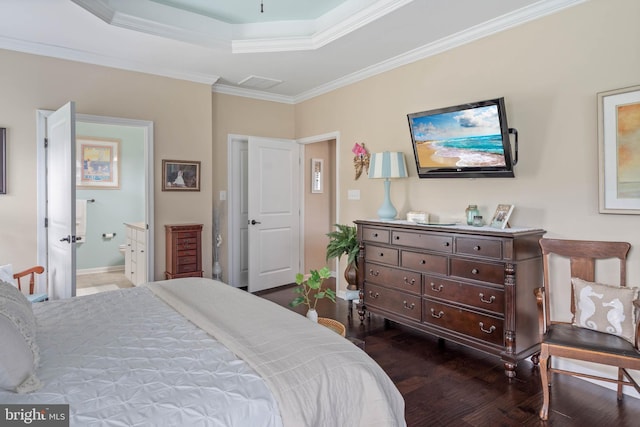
549 72
181 112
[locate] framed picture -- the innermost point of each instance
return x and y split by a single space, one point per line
97 163
501 216
3 161
619 151
316 175
180 175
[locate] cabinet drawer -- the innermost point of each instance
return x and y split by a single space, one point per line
392 277
484 327
481 297
186 268
424 262
476 270
186 244
381 255
371 234
394 301
490 248
186 235
432 242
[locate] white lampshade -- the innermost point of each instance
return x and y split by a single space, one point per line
387 165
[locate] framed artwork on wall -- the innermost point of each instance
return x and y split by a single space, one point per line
97 163
619 151
317 166
3 161
180 175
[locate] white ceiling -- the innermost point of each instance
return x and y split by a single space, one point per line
294 50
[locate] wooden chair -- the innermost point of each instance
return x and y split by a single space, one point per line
31 272
563 339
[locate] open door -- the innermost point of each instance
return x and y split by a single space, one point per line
61 201
274 212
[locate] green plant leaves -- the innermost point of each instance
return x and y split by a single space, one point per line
343 241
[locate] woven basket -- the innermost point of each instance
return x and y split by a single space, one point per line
334 325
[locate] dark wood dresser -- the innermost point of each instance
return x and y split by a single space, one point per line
471 285
184 250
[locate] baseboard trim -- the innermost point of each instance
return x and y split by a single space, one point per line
98 270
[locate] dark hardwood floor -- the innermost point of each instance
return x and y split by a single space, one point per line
446 384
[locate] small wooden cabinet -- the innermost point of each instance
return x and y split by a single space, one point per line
470 285
184 250
135 256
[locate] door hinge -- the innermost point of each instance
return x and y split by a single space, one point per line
46 142
46 222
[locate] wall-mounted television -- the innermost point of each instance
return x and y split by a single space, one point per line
463 141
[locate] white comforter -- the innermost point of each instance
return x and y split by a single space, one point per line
126 358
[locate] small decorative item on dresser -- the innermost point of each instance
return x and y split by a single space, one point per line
501 216
478 221
471 212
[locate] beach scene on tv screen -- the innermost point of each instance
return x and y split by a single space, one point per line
464 138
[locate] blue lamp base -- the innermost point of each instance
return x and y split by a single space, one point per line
387 212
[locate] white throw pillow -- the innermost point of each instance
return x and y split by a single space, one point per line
19 353
6 274
605 308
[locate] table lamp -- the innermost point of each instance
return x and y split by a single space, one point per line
387 165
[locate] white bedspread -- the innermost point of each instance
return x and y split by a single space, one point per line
125 358
319 378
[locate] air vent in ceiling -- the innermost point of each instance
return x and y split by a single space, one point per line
257 82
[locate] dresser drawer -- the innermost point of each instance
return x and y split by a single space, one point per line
424 262
482 297
490 248
397 302
431 242
408 281
371 234
476 270
483 327
381 254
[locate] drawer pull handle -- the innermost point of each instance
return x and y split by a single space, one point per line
381 254
438 315
489 301
407 282
475 271
375 234
409 307
374 296
423 261
476 248
373 273
397 237
487 331
438 289
446 244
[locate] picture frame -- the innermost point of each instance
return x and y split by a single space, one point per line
180 175
619 151
97 163
3 160
317 169
501 216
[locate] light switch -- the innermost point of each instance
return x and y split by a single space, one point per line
223 195
353 194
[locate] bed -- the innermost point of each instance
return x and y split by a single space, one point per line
192 352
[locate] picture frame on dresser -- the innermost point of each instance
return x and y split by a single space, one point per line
180 175
618 151
501 216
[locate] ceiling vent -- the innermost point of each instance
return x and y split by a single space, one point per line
259 83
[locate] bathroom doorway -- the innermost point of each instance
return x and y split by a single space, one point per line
102 211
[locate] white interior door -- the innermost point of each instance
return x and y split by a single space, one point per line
61 201
274 212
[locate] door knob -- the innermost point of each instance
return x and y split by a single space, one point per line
66 239
254 222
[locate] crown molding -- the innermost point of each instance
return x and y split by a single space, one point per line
106 61
249 93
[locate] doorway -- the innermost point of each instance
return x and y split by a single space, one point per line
237 208
131 201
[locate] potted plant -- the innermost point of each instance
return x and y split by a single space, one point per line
310 290
344 241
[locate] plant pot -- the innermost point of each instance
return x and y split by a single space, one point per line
312 315
351 276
